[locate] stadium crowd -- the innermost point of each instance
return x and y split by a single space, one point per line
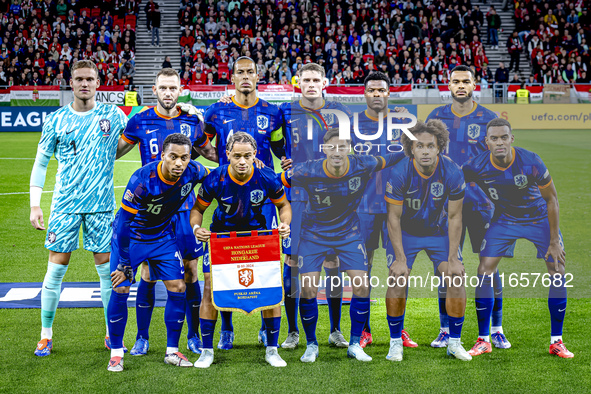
41 38
413 42
554 35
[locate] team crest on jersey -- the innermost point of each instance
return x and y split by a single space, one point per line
388 187
473 133
246 277
262 122
185 129
395 134
354 184
105 125
256 196
51 237
186 189
287 242
437 189
389 260
520 181
300 262
330 119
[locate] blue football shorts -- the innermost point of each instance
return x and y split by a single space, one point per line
436 247
190 248
270 213
163 257
374 226
297 210
500 237
351 253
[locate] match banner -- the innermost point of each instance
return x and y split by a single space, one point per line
4 97
536 93
202 95
583 92
111 95
271 93
21 96
246 271
445 94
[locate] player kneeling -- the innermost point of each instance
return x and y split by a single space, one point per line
143 232
233 186
422 191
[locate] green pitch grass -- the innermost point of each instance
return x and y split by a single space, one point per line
79 362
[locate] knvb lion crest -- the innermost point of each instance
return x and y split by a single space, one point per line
330 119
256 196
105 125
246 277
262 122
185 129
437 189
520 181
286 242
473 132
389 260
354 184
186 189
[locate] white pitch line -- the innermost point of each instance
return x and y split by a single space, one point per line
48 191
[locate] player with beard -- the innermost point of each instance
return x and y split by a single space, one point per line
149 129
466 122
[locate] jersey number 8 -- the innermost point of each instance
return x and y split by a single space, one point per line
493 193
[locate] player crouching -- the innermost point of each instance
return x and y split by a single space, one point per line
143 232
233 185
526 206
422 191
